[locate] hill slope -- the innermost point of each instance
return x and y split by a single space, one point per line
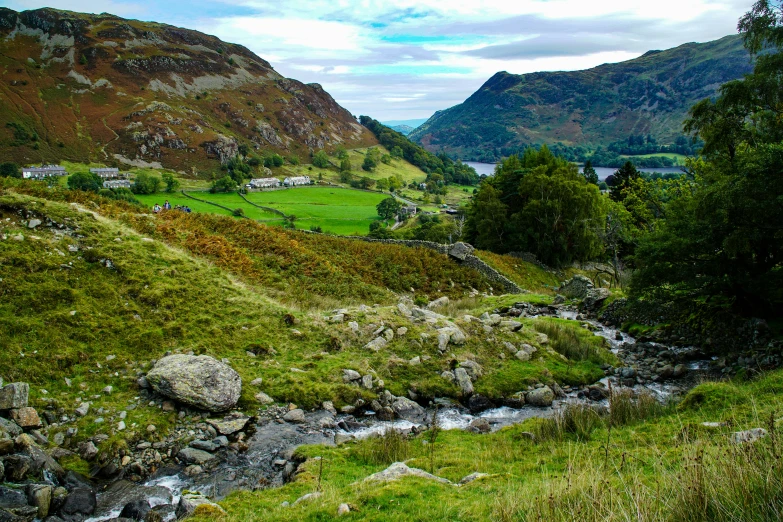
650 94
78 86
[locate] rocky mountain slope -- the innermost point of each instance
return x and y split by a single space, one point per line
648 95
79 86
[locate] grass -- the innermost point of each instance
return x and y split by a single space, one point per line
176 198
335 210
642 470
679 159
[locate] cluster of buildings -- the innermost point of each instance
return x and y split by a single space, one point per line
43 172
112 177
265 183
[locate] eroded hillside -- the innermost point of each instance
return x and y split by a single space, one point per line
77 86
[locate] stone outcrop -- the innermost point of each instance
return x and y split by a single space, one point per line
199 381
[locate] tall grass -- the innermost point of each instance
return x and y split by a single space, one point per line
567 341
384 449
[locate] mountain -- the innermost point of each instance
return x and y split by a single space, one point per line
410 123
647 95
101 88
403 129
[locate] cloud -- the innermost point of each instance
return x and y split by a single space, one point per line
408 58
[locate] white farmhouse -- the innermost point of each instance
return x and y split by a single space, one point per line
259 183
117 183
107 173
43 171
296 181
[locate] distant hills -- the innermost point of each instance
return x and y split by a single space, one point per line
101 88
595 107
403 129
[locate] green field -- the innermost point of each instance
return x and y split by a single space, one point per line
176 198
335 210
679 159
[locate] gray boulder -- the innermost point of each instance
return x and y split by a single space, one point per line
196 456
199 381
408 410
463 381
460 250
14 395
296 416
540 397
595 298
190 501
438 303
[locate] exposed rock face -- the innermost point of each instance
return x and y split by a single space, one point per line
199 381
576 287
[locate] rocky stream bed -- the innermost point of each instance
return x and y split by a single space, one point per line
205 458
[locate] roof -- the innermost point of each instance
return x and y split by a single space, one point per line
97 171
47 168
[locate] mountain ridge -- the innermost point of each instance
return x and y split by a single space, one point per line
593 107
108 89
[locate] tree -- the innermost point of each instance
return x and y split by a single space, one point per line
589 173
622 179
396 152
321 160
388 208
10 170
224 184
386 159
86 181
370 160
145 184
340 152
345 165
345 176
171 183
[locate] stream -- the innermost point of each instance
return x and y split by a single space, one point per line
267 462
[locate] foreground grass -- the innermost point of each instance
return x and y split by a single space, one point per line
657 466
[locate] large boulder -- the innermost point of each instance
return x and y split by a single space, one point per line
576 287
408 410
595 298
460 250
199 381
14 395
541 397
463 381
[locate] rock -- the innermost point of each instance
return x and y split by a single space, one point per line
308 497
135 510
87 450
376 344
39 460
470 478
33 223
329 406
463 381
12 498
337 318
26 417
408 410
513 326
14 395
256 382
296 416
80 501
595 298
230 424
205 445
399 470
478 403
40 496
342 438
190 501
559 299
83 409
199 381
540 397
401 331
196 456
9 428
107 390
6 447
351 376
404 310
739 437
449 376
576 287
143 383
263 398
473 368
122 493
367 382
460 250
479 426
343 509
679 371
522 355
438 303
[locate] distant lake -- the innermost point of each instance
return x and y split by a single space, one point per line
603 172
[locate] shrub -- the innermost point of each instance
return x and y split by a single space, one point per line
384 449
145 184
84 181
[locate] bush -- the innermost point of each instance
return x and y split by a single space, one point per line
238 212
84 181
224 184
321 160
145 184
10 170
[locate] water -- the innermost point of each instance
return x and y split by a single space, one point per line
603 172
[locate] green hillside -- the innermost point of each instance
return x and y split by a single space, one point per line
595 107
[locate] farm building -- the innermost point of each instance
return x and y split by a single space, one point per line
408 210
258 183
296 181
43 171
108 173
117 183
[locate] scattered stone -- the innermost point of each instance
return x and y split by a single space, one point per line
80 501
107 390
230 424
401 331
376 344
463 381
26 417
739 437
263 398
460 250
438 303
190 501
204 445
307 497
40 497
470 478
399 470
415 361
367 382
14 395
522 355
351 376
479 426
473 368
343 509
199 381
168 406
296 416
87 450
196 456
513 326
256 382
83 409
136 509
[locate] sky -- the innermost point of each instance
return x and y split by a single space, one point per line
406 59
